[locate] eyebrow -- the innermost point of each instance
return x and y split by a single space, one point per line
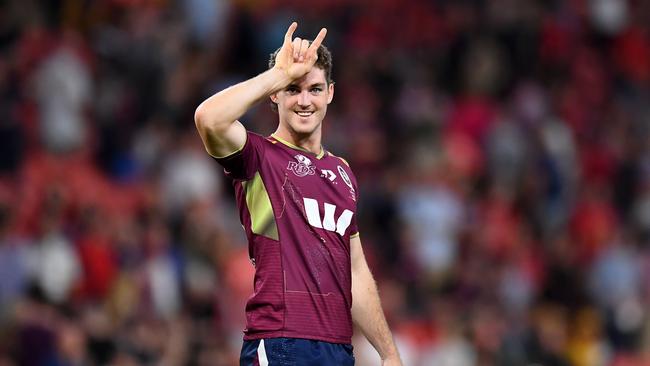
294 85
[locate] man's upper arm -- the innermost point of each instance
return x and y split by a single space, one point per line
223 142
357 258
243 163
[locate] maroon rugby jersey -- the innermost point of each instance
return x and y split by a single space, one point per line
299 212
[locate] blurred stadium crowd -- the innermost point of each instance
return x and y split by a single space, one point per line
502 146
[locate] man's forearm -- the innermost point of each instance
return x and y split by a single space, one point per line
216 118
367 313
225 107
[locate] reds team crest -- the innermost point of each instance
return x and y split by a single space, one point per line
302 167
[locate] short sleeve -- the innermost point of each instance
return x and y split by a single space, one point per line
242 164
354 229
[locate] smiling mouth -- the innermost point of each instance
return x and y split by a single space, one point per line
305 113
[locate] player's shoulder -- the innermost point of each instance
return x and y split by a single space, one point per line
259 141
256 136
333 156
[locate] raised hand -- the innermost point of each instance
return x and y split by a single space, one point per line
297 56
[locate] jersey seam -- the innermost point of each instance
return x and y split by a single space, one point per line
318 156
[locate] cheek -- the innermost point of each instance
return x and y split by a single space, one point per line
290 103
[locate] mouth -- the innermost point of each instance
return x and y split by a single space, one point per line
304 113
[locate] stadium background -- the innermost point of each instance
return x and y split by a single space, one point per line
502 146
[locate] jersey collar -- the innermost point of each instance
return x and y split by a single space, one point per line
295 147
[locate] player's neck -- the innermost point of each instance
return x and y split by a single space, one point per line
310 142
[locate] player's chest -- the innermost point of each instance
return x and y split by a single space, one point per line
326 179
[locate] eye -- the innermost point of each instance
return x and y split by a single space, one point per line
316 90
292 90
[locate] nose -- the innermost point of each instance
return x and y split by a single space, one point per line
304 99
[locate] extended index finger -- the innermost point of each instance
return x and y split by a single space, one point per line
317 42
288 37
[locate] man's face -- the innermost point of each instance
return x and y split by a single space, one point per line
303 104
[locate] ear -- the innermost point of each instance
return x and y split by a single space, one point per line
274 98
330 97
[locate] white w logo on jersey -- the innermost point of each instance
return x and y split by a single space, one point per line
313 216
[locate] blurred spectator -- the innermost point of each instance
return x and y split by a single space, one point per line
62 86
15 271
432 213
54 261
189 175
